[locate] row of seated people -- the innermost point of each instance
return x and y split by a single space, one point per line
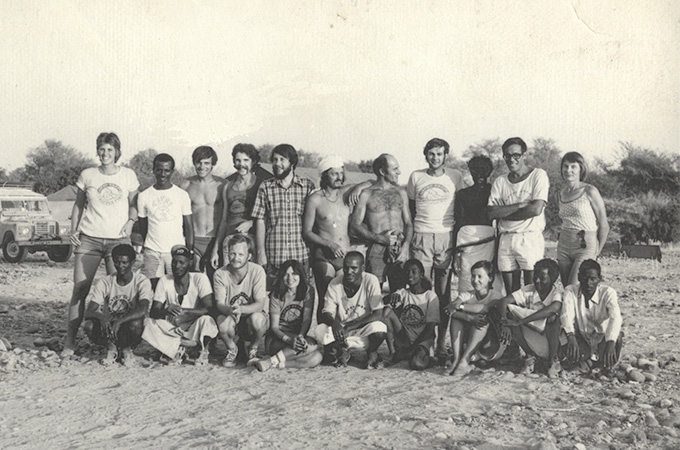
579 327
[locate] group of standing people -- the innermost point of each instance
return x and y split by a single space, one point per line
252 256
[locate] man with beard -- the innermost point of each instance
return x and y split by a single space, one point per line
277 212
382 219
238 197
179 313
431 195
240 298
206 204
517 202
352 314
325 225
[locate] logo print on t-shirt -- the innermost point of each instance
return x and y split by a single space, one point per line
354 312
162 209
119 306
109 193
292 316
433 193
413 316
239 299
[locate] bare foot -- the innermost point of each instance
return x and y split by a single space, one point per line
463 369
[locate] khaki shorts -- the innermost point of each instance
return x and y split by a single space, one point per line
434 250
156 264
520 251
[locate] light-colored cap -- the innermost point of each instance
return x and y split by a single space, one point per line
329 162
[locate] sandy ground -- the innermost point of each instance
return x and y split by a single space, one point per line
49 403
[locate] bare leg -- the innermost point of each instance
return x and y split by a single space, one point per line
85 268
442 287
477 335
511 281
552 333
457 327
420 358
227 331
566 265
518 336
257 326
374 341
528 277
390 319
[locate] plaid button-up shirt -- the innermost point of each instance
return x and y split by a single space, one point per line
282 210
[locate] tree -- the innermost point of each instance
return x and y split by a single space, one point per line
142 164
644 170
53 166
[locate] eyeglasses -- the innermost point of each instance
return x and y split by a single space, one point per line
515 156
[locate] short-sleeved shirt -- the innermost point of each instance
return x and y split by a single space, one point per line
527 297
120 300
469 297
434 197
366 300
282 209
291 312
415 311
534 187
165 210
199 287
107 201
250 289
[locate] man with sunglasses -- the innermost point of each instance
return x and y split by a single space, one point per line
517 203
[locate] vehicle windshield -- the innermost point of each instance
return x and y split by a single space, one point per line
19 206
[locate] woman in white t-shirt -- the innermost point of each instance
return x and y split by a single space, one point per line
102 217
469 317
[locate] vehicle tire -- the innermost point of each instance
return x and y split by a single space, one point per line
12 252
60 253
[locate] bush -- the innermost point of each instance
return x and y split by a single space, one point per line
645 218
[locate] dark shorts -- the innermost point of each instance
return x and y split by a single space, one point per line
380 263
325 255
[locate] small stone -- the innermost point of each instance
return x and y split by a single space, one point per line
644 406
643 363
601 425
636 375
649 376
441 436
650 420
39 342
652 338
607 402
397 419
668 431
579 446
33 329
665 403
627 394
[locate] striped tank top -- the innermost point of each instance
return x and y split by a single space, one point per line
578 214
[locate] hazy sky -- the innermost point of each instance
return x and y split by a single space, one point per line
356 78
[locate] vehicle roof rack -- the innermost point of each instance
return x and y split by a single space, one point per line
12 185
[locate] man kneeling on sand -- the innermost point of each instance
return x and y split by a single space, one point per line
351 318
240 299
179 313
117 305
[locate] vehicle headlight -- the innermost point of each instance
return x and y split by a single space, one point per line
24 231
63 230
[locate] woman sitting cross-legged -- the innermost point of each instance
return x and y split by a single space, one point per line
469 320
290 311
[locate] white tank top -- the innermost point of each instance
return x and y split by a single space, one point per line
578 214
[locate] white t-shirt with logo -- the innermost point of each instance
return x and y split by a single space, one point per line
527 302
120 300
164 210
366 300
534 187
416 310
107 201
434 197
253 287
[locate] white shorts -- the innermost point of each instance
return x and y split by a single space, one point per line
520 251
356 339
156 264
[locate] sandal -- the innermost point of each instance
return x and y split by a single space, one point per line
529 365
110 358
343 357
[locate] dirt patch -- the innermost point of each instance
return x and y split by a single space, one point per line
52 403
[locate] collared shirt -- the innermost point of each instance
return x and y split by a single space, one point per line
282 209
601 319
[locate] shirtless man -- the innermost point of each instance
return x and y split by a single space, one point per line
382 219
206 205
325 224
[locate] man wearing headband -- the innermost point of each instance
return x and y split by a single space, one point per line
325 225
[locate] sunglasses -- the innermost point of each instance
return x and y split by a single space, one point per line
515 156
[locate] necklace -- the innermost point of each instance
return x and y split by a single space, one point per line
335 213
